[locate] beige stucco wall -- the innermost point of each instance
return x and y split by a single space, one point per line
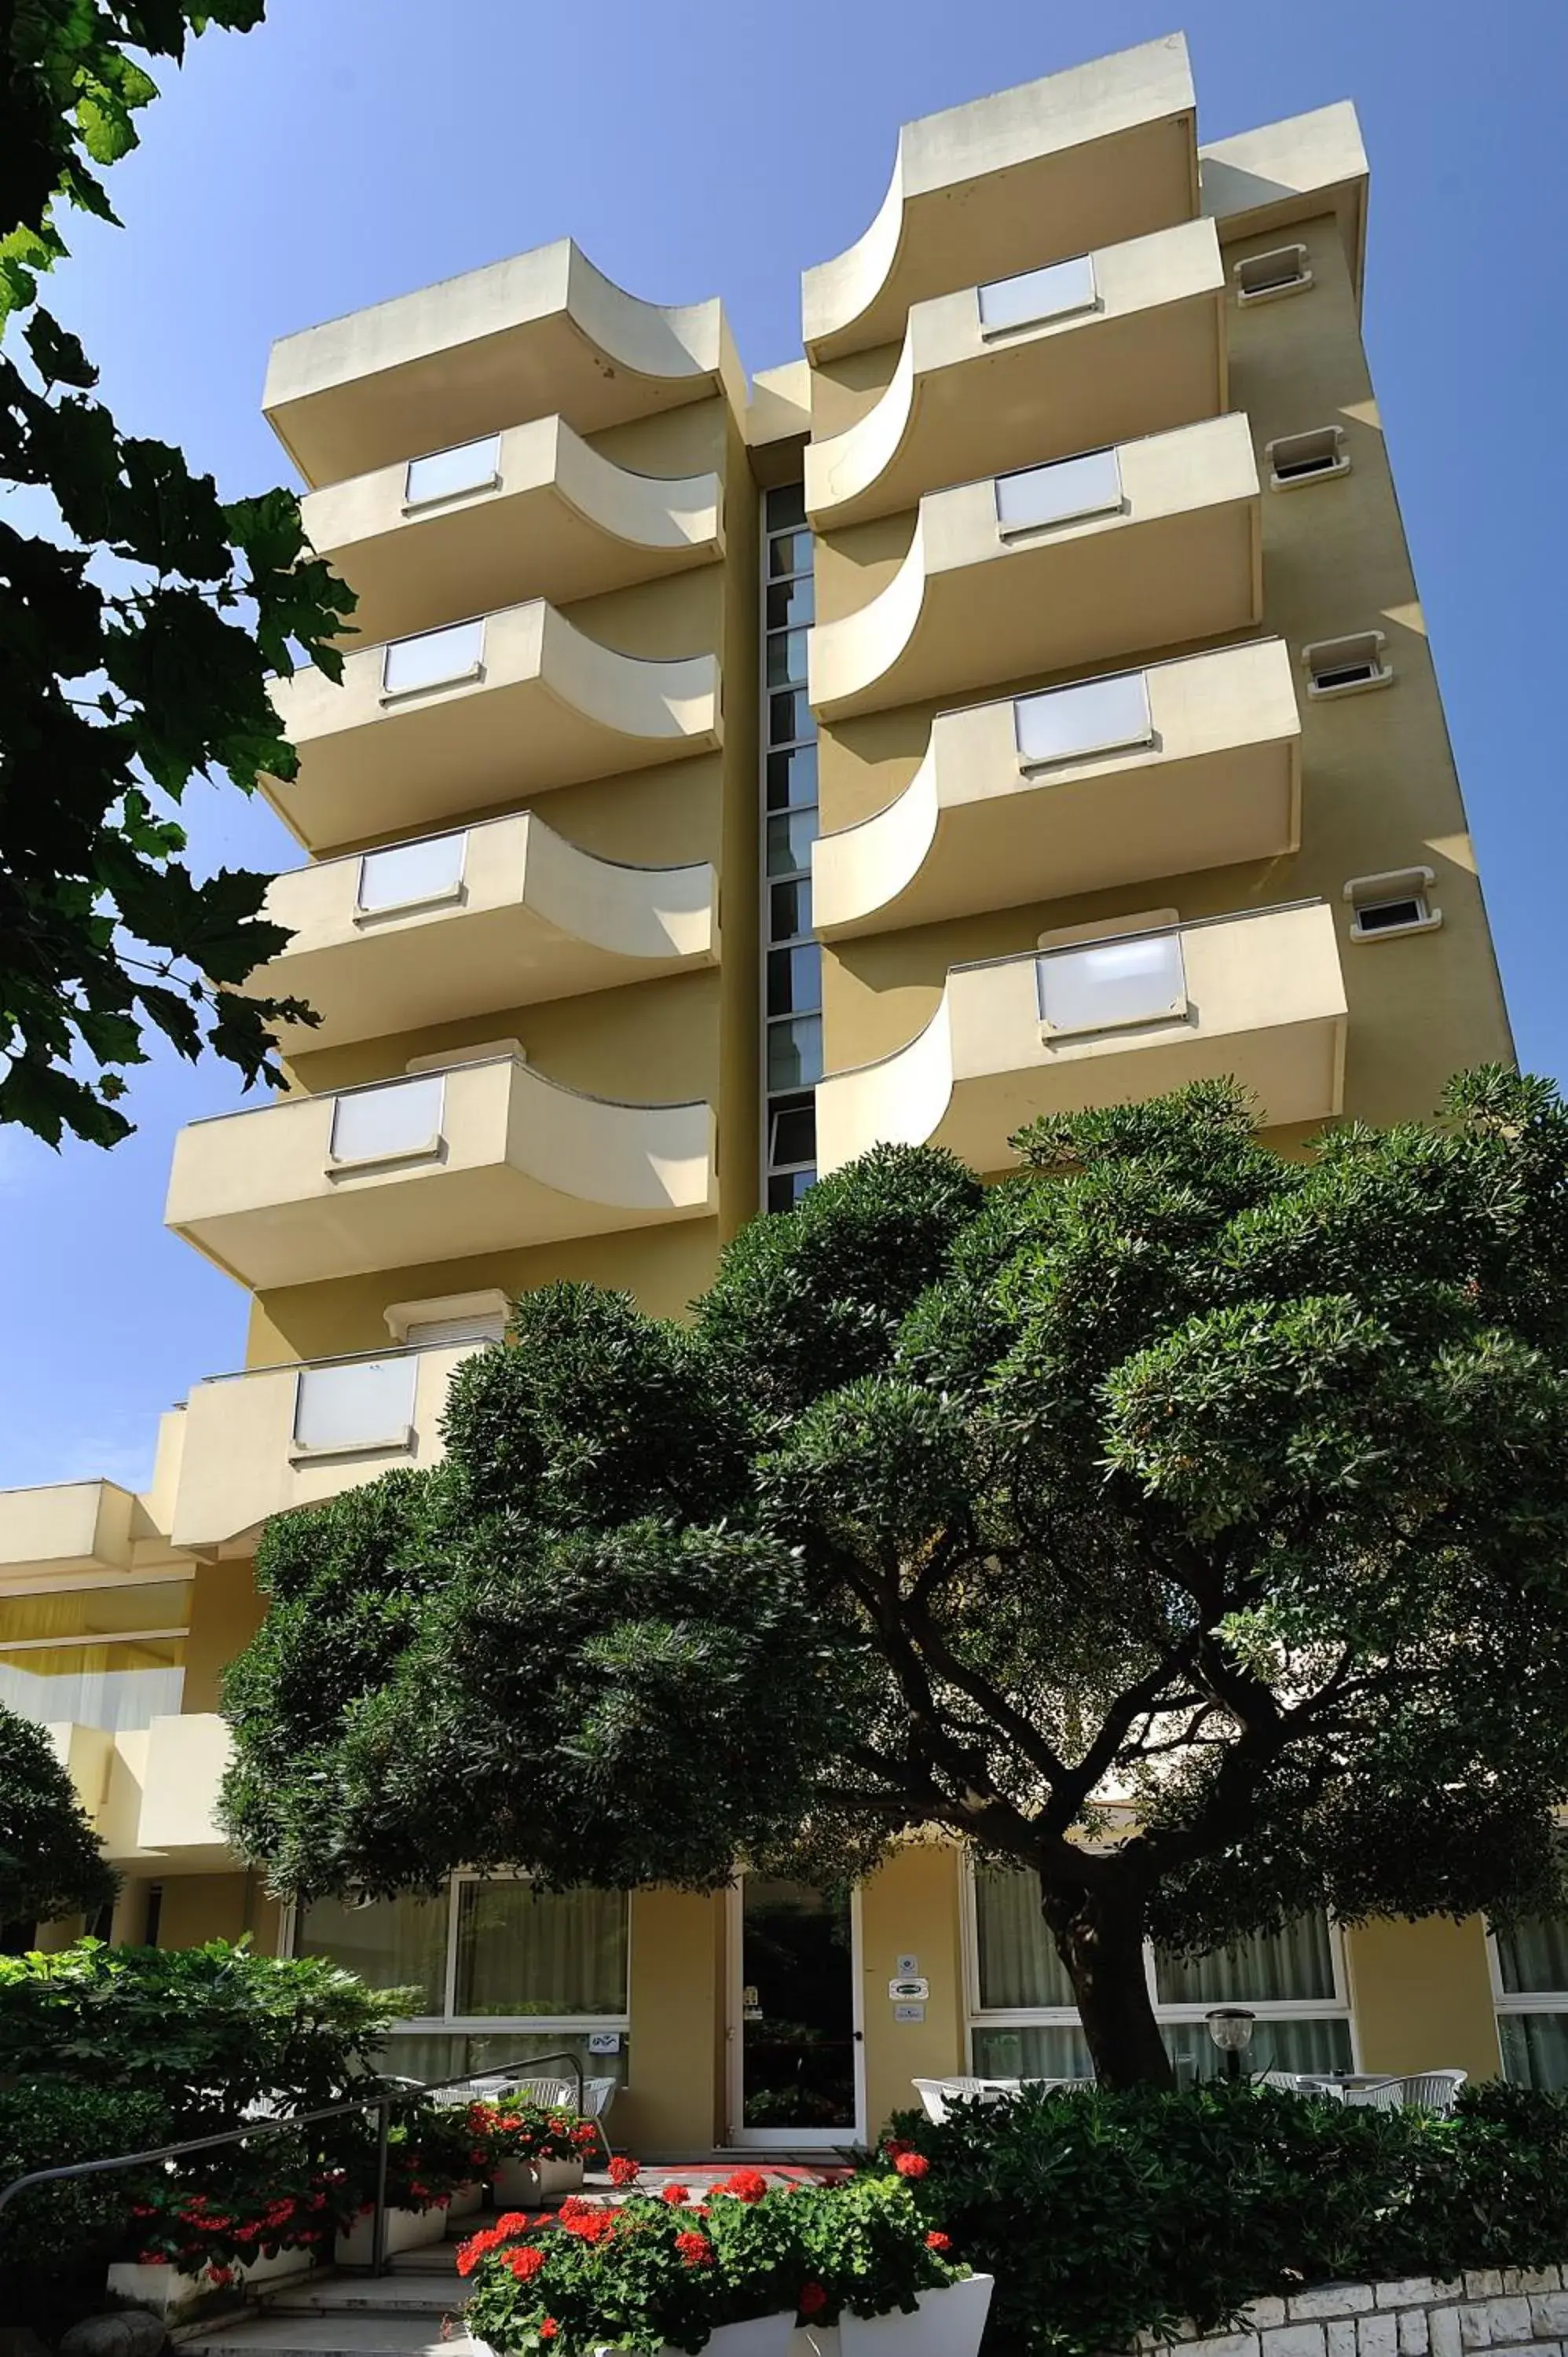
673 2096
910 1907
1421 1996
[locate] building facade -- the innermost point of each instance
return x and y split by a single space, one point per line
1018 701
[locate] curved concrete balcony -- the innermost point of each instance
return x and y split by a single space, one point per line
1164 771
478 1157
1104 348
535 511
417 934
541 333
1143 545
485 711
1258 998
158 1788
263 1443
1057 166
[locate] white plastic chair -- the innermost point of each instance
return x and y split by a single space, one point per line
1291 2080
1422 2091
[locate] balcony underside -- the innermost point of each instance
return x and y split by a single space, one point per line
961 405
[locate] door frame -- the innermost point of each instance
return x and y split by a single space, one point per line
738 2137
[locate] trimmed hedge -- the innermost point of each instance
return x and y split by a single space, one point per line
1103 2215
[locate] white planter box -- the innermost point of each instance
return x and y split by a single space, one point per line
517 2186
407 2230
556 2177
170 2294
756 2336
946 2323
465 2200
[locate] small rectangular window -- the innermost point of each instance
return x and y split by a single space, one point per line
786 658
383 1123
789 554
792 604
786 506
795 980
791 1132
785 1188
789 910
1307 458
1060 493
449 474
795 1052
409 875
1396 902
792 779
789 840
1035 296
1107 984
1070 724
1282 271
788 717
1344 666
434 658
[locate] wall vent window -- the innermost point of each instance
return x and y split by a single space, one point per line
500 1970
1307 458
1024 2024
793 1009
434 658
1398 902
1034 296
1283 271
1347 666
449 474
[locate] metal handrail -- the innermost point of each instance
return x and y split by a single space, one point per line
381 2102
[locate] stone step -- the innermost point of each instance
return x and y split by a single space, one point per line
400 2295
345 2335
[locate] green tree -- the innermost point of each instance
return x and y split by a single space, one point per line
50 1864
138 622
1185 1524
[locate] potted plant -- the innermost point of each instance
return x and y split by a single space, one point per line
643 2276
878 2270
268 2222
538 2152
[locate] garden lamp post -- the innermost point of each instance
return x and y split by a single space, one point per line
1230 2026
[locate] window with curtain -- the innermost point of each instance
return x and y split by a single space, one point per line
1304 2023
1532 2002
107 1657
1532 1954
555 1952
392 1944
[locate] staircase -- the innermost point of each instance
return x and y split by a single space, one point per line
395 2315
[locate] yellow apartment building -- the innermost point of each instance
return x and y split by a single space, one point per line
1017 702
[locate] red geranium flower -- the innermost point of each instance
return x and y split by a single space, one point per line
746 2184
813 2299
549 2328
695 2249
575 2206
526 2262
591 2227
624 2170
676 2194
935 2242
912 2164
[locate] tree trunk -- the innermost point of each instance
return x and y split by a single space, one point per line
1098 1935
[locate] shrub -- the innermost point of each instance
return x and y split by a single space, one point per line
207 2030
1106 2214
58 2232
669 2270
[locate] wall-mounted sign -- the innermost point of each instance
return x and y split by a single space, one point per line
914 1989
908 1968
909 2013
603 2041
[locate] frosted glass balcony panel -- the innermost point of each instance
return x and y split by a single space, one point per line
357 1405
447 474
1108 983
434 659
1071 487
1097 715
1034 296
408 874
374 1125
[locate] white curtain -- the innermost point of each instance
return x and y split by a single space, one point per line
392 1944
1296 1963
1018 1963
1533 1954
525 1952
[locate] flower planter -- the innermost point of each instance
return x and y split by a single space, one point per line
946 2323
517 2186
754 2336
166 2292
407 2230
465 2200
557 2177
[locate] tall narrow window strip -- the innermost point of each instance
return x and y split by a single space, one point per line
792 1040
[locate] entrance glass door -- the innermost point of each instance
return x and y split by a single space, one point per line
795 2042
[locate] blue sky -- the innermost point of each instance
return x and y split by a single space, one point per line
352 149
